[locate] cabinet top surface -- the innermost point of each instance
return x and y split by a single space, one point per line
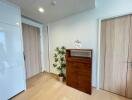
80 49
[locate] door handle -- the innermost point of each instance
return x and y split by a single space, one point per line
129 62
24 56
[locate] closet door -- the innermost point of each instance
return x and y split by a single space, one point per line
31 40
129 73
102 53
116 47
12 72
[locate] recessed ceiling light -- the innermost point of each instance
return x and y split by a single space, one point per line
41 10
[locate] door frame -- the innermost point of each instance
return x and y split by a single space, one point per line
40 26
99 20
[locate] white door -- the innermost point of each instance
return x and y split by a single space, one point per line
12 75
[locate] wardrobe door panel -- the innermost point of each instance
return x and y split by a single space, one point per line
31 41
117 40
129 73
102 53
108 79
129 81
12 72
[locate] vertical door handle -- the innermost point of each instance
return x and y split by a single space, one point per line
24 56
129 62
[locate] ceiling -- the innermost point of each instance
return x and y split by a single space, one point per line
63 8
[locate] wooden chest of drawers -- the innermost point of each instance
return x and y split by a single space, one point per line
79 69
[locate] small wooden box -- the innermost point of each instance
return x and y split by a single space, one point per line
79 69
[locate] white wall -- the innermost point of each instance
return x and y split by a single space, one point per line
84 27
46 49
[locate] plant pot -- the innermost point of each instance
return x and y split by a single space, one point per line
61 78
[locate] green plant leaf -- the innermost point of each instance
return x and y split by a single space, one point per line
63 65
54 65
57 49
59 52
59 59
59 68
63 48
62 58
56 59
55 55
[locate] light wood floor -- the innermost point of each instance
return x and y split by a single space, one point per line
46 87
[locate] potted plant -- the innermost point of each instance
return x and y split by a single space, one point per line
59 61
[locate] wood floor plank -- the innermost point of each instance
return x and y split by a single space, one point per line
45 86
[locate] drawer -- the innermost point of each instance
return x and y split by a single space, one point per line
72 83
85 88
84 79
72 65
72 76
81 60
86 73
83 66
